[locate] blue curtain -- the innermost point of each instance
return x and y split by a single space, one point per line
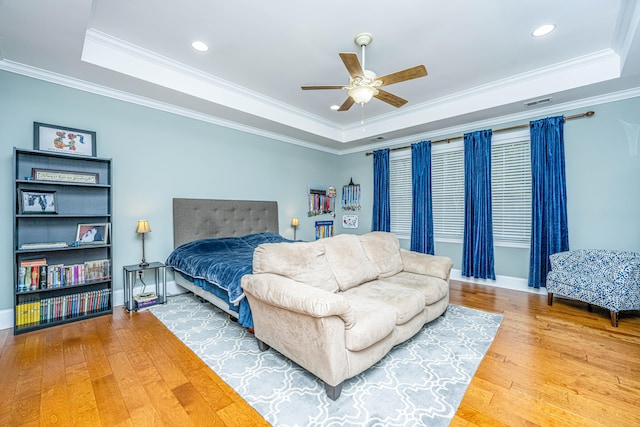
477 247
422 218
381 200
549 229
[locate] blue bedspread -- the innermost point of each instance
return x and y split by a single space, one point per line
221 262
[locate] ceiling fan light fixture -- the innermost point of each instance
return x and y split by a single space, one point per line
362 94
364 84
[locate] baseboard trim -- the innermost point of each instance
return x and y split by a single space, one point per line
6 315
505 282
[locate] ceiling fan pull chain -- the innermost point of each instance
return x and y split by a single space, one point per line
362 120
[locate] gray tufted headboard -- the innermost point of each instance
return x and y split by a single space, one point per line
195 219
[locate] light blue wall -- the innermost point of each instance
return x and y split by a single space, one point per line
156 156
603 187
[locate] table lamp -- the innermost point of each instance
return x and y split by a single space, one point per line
143 227
294 224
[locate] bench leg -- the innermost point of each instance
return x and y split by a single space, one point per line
550 298
333 392
615 315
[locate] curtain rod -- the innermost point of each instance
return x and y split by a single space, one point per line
448 140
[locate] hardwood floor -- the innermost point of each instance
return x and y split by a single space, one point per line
550 366
558 365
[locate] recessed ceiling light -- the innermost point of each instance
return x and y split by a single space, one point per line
335 107
200 46
543 30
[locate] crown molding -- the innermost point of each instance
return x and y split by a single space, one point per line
500 120
580 71
62 80
82 85
108 52
107 40
626 27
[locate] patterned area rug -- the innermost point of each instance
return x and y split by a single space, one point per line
420 382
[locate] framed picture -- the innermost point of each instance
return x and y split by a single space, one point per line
94 234
60 139
349 221
38 202
64 176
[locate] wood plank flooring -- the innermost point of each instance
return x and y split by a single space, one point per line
548 366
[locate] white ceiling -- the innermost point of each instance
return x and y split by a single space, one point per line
481 58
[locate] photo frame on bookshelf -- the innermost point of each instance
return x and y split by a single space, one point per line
93 234
52 175
61 139
37 202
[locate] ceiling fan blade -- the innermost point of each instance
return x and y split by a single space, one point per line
320 87
346 104
390 98
401 76
352 63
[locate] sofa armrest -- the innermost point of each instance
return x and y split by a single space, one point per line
429 265
295 296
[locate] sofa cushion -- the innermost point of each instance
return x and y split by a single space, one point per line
372 323
433 288
383 249
301 261
348 261
429 265
405 302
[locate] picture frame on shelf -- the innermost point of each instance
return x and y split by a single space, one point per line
37 202
64 176
93 234
61 139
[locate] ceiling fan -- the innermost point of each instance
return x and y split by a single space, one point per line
365 84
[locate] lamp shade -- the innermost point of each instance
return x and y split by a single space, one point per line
294 222
362 94
143 226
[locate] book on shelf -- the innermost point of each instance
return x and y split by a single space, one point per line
36 274
28 313
42 276
44 245
35 311
33 261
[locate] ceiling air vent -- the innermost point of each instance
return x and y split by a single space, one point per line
378 138
537 102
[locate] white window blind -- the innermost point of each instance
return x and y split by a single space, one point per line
400 193
511 190
447 188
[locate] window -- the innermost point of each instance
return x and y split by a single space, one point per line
511 190
447 188
400 193
510 182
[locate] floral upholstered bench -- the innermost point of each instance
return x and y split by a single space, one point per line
606 278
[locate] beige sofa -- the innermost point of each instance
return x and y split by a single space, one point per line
336 306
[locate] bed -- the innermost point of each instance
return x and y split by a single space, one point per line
236 226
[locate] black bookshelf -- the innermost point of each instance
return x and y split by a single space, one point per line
54 194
